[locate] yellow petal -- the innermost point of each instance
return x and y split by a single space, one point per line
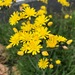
51 66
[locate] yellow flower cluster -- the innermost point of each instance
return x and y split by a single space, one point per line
67 16
31 33
5 3
28 12
64 3
33 30
44 63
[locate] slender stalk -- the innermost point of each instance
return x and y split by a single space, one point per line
56 70
43 72
62 9
32 62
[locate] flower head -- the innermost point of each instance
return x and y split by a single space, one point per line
29 12
52 41
15 39
69 42
66 16
43 63
41 20
64 3
21 53
51 66
45 53
34 47
5 2
58 62
50 23
14 18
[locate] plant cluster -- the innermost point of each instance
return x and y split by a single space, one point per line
35 40
34 35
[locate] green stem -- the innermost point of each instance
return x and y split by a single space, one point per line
43 72
56 72
32 62
62 9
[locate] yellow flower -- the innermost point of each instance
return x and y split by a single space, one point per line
50 16
1 3
52 41
25 36
29 12
24 5
15 30
41 20
69 42
43 32
41 12
21 53
50 23
70 17
34 47
51 44
66 16
27 26
35 36
45 53
24 48
43 7
58 62
43 63
14 18
51 59
7 2
15 39
64 3
51 66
